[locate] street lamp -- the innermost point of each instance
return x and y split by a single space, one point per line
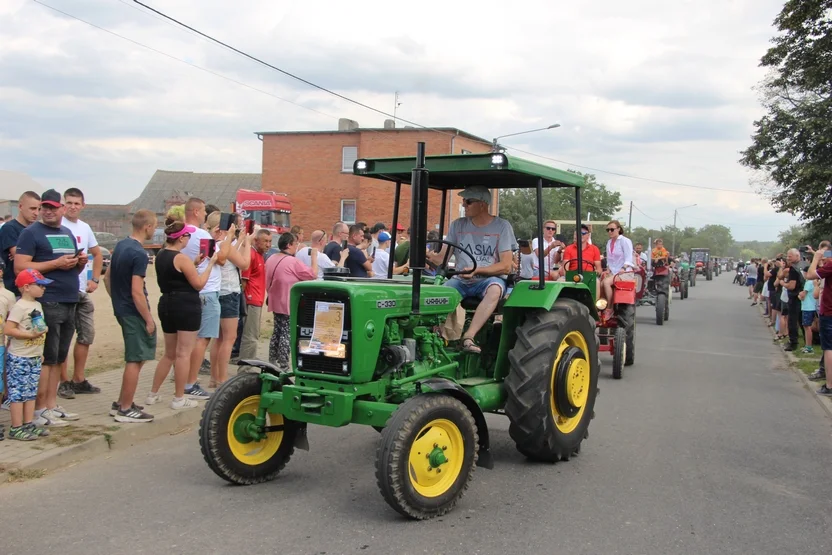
496 148
673 247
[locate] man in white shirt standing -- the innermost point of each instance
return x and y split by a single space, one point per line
209 297
317 240
382 258
88 281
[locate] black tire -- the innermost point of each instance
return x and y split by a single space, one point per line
536 408
216 445
619 353
685 290
629 316
395 470
667 308
661 307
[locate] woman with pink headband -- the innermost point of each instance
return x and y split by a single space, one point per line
180 312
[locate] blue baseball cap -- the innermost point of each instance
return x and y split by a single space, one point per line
383 237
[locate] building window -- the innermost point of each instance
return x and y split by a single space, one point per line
349 154
348 211
466 151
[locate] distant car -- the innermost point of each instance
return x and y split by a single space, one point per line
107 256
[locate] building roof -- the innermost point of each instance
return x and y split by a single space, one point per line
14 184
445 130
213 188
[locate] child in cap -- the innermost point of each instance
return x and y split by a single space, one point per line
7 300
27 329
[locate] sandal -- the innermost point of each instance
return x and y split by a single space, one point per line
468 346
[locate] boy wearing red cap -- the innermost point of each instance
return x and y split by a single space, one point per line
27 330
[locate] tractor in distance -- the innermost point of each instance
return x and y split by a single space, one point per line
369 351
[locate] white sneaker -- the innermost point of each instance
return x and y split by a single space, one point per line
52 419
40 422
152 398
182 404
7 405
64 415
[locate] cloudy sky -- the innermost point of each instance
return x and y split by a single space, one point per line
648 88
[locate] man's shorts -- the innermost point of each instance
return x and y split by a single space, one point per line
60 318
808 317
477 288
138 346
825 327
758 287
84 321
23 374
210 325
751 281
230 306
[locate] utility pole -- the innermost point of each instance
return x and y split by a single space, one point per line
673 247
630 221
396 105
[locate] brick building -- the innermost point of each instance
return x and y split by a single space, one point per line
315 169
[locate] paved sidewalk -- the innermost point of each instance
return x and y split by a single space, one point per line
97 432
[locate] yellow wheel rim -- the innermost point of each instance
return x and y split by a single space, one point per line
577 382
436 458
253 453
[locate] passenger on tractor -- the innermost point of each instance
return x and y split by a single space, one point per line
640 256
661 265
619 257
590 254
490 239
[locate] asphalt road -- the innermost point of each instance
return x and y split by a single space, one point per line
706 446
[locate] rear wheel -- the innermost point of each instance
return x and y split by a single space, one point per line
225 438
426 456
661 307
553 381
619 354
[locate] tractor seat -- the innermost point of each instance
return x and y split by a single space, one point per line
471 303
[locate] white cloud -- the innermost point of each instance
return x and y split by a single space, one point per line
656 89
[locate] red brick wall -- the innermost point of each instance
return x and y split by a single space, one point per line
308 168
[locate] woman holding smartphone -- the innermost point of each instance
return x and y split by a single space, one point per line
180 312
237 255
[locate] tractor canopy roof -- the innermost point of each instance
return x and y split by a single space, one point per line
495 170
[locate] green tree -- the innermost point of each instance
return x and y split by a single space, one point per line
792 142
748 254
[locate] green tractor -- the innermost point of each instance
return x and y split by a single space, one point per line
369 351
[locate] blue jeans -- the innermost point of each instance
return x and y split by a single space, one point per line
477 288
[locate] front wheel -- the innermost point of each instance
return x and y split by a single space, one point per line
426 455
225 437
661 307
619 354
553 381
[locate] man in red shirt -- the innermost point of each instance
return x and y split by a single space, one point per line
254 289
589 253
821 268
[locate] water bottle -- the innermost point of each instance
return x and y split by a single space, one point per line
38 323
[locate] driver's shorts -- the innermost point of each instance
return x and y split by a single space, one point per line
475 288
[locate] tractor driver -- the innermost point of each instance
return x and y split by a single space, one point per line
661 264
490 239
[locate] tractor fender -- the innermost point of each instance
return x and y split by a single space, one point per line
448 387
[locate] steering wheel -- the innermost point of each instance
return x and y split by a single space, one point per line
443 268
588 266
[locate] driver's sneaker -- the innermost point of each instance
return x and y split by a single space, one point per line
818 375
825 391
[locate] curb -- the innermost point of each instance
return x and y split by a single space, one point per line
810 386
127 436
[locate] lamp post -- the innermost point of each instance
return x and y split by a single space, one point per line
496 148
673 247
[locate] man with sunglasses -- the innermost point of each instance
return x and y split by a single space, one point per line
490 239
551 248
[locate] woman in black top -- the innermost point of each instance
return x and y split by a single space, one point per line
180 312
774 297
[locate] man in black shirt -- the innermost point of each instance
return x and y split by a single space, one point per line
340 233
794 283
357 262
28 209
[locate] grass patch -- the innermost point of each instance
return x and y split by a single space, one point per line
807 366
71 435
22 474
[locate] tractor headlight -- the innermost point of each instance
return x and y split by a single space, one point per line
498 159
601 304
361 165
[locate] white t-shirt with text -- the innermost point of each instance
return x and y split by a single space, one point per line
86 240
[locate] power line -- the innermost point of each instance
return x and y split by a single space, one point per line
643 213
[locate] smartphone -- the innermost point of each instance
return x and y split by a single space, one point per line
79 252
827 254
343 245
372 254
226 219
309 251
206 247
561 237
249 227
